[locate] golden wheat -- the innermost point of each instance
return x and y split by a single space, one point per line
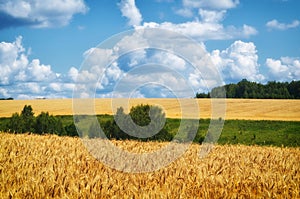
33 166
251 109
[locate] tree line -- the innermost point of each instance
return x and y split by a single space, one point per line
26 122
9 98
141 121
252 90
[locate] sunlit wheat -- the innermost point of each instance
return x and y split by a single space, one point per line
33 166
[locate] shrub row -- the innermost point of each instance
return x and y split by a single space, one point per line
26 122
144 122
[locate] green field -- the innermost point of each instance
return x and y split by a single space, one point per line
247 132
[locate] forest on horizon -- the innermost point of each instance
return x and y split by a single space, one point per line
253 90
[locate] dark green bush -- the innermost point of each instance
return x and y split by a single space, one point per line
138 122
48 124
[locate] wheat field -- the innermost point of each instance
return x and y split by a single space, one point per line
249 109
49 166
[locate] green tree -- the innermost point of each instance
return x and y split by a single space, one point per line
42 124
16 124
140 114
138 121
253 90
27 117
71 130
46 123
202 95
294 89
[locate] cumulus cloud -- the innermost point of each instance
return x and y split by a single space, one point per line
147 60
211 4
4 93
38 13
169 60
209 28
152 81
40 72
274 24
212 13
185 12
73 73
212 16
189 6
206 30
15 65
284 69
238 61
24 78
130 11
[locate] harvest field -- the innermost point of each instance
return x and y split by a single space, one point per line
48 166
35 166
248 109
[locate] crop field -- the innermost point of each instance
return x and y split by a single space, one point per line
33 166
248 109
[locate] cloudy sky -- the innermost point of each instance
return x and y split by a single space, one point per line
43 44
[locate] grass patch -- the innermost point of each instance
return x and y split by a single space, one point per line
275 133
246 132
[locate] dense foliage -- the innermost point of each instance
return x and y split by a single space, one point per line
253 90
9 98
44 123
276 133
142 121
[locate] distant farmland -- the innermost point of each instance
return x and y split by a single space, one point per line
248 109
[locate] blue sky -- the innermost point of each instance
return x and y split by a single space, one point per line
43 43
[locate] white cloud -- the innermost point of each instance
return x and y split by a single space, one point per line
167 1
152 82
73 73
285 69
206 30
15 65
212 16
40 72
205 7
211 4
150 59
33 87
168 60
4 93
238 61
98 58
274 24
43 13
56 86
185 12
113 72
212 12
61 87
133 41
130 11
12 60
24 78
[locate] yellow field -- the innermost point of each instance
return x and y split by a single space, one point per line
33 166
252 109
